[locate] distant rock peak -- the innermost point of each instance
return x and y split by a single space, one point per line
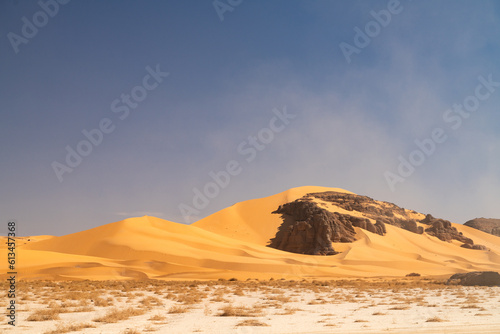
488 225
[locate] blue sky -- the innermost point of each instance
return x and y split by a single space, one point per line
351 120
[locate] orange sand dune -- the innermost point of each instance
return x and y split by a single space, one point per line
252 220
232 243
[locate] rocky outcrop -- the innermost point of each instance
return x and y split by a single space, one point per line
475 247
443 230
381 212
488 225
483 278
409 225
309 229
366 224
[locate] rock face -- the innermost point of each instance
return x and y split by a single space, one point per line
309 229
383 212
483 278
443 230
488 225
366 224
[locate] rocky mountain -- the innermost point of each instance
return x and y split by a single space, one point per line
488 225
312 223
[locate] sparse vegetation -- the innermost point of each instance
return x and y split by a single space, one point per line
251 322
151 302
115 315
116 301
66 328
44 315
157 317
435 319
101 302
178 309
239 311
400 307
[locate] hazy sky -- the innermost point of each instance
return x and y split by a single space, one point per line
279 93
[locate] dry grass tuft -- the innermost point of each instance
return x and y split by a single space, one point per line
115 315
61 328
251 322
239 311
151 301
280 298
470 306
44 315
435 319
178 309
103 302
379 313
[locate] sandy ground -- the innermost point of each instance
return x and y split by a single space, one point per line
260 307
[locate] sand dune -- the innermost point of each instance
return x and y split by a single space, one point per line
252 220
233 243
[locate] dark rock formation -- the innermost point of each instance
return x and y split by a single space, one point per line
409 225
476 247
488 225
443 230
309 229
483 278
428 220
413 275
366 224
383 212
